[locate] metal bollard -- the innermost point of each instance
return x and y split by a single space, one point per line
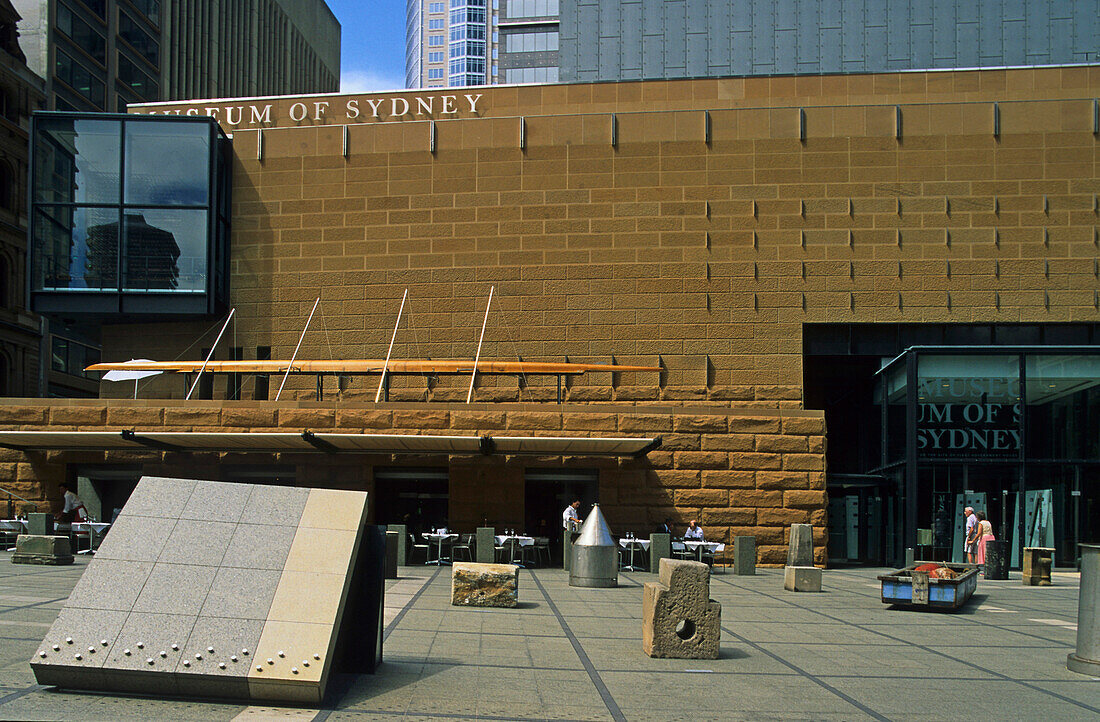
1086 660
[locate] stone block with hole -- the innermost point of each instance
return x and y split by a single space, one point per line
484 585
679 619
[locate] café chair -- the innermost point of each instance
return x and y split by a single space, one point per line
463 547
415 548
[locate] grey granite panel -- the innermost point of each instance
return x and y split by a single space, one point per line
241 593
217 501
158 496
281 505
76 631
129 681
136 538
234 642
205 685
259 546
110 584
175 589
149 640
197 542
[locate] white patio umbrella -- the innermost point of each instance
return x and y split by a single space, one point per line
135 375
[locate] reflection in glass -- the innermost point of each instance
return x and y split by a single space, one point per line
1063 406
77 161
165 250
63 258
167 164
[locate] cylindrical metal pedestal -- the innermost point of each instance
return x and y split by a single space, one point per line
996 560
1086 660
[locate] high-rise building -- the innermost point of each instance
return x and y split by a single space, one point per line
547 41
451 43
104 54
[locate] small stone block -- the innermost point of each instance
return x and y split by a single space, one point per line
484 585
744 555
402 549
660 547
1037 562
485 545
802 579
679 620
801 550
39 524
393 541
37 549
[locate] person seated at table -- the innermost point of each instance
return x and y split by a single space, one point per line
70 503
665 527
694 532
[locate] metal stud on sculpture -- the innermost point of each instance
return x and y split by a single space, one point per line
595 560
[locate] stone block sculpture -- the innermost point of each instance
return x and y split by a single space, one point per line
41 549
801 575
484 585
216 589
1036 566
679 619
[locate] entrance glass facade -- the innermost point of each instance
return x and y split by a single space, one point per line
1010 431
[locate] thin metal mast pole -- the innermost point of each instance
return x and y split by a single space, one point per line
473 376
393 338
208 356
295 356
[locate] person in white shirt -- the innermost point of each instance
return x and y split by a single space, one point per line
968 544
569 518
694 531
71 502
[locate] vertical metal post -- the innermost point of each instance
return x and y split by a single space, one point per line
909 525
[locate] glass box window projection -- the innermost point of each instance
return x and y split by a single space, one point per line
128 206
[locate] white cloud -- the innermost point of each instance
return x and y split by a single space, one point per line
369 81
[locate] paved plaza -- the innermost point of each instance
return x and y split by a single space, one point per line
570 653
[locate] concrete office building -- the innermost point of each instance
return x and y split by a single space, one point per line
105 54
873 298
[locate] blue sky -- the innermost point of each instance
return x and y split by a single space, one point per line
372 54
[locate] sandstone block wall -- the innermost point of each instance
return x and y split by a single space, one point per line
697 225
738 471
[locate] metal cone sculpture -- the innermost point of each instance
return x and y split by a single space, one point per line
595 560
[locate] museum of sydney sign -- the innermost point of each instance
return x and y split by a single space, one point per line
975 417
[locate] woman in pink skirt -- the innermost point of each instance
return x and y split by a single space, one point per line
983 533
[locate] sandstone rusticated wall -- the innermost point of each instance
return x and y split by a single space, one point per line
739 471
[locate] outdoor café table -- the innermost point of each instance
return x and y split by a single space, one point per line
438 539
632 544
94 529
13 526
699 546
512 541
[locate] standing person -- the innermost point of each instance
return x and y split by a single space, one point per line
983 533
968 543
70 504
569 518
694 531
